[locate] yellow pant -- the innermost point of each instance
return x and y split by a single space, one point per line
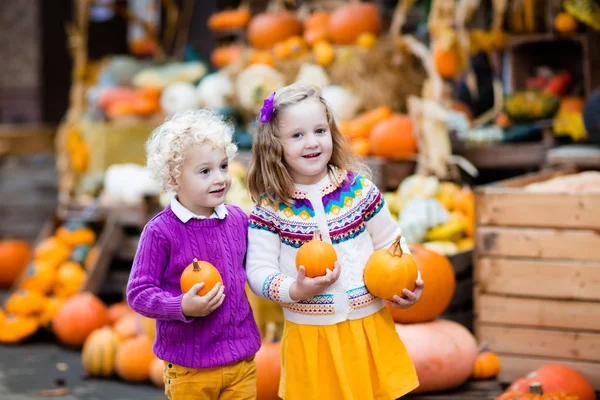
236 381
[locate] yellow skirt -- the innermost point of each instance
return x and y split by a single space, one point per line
354 360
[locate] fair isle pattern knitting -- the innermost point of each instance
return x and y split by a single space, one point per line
351 214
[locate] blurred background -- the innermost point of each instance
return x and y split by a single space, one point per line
479 120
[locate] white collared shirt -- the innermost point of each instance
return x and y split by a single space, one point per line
185 215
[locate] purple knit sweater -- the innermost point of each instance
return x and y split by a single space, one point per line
167 245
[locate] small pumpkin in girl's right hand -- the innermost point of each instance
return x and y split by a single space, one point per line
316 256
200 271
389 271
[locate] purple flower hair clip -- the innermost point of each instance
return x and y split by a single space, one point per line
266 112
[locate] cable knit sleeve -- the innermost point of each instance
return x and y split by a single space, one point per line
144 293
262 259
380 223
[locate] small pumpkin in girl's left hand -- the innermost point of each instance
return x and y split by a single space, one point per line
389 271
487 365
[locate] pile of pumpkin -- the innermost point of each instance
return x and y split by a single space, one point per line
275 36
438 214
380 132
43 278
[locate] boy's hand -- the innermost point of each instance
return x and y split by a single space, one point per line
409 298
305 288
193 305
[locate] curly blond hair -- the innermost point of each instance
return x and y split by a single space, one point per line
267 173
166 147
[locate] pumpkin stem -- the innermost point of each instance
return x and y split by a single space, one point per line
317 235
196 265
536 388
395 249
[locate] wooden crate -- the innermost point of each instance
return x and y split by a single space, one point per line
537 276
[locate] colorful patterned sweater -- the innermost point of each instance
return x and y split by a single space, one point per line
351 214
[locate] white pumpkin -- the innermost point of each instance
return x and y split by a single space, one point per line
343 103
180 96
420 215
215 90
313 74
255 83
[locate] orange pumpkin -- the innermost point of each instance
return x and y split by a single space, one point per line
362 125
14 256
315 27
200 271
157 373
393 138
361 147
39 276
323 53
75 233
316 256
117 311
52 306
262 57
438 275
25 303
78 317
348 22
556 378
229 19
126 328
134 358
389 271
443 353
268 366
99 352
69 280
487 365
535 392
15 328
269 28
225 55
52 250
446 62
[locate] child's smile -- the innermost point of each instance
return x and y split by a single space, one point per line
307 142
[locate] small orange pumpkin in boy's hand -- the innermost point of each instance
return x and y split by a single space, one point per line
316 256
389 271
200 271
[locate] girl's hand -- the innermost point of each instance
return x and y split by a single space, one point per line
410 298
305 288
193 305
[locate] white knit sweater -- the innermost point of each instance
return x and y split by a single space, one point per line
351 214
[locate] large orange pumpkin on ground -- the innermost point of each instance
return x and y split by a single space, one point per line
556 378
200 271
438 276
393 138
346 23
268 367
14 256
316 256
269 28
134 358
443 353
389 271
99 352
117 311
79 316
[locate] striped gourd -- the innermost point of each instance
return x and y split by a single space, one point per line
99 352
